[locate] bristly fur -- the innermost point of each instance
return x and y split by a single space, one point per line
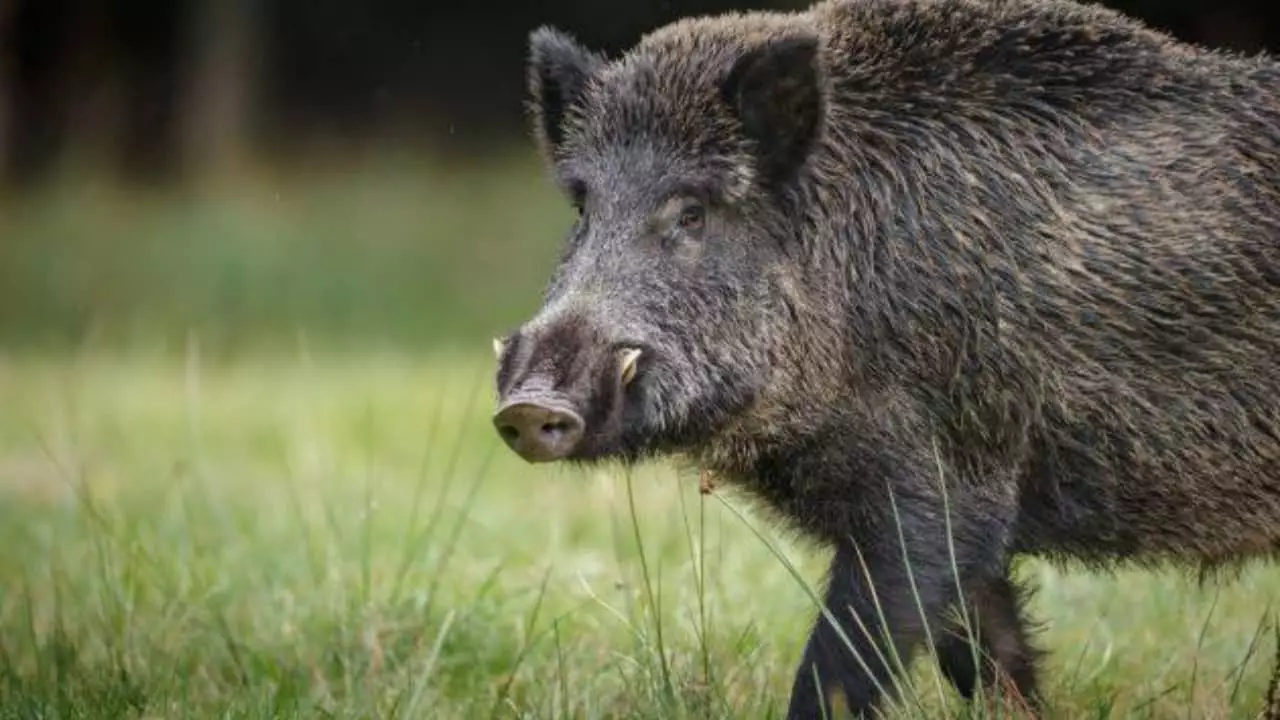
1026 252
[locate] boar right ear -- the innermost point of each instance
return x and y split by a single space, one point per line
558 70
776 92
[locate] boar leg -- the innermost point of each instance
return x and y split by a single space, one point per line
851 662
997 623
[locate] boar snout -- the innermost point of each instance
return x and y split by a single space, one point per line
539 430
561 391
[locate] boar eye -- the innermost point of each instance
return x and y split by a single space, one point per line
578 197
692 218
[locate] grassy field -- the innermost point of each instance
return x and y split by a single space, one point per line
268 523
344 536
398 251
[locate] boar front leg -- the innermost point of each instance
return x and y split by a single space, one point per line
998 640
882 604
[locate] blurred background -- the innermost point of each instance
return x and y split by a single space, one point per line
267 172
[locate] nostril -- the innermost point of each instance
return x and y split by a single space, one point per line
510 433
556 427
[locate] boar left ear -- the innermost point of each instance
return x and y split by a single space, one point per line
558 70
775 90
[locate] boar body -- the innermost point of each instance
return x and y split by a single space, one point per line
1006 270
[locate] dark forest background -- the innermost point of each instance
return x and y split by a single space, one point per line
387 136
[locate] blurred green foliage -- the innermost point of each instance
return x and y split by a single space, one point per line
392 251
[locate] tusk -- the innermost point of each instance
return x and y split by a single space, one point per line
498 346
629 358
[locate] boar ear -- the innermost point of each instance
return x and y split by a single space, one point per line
775 90
558 70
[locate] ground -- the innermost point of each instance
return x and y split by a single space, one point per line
345 536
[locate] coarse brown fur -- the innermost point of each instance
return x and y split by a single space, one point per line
1021 257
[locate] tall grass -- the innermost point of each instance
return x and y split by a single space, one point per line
343 536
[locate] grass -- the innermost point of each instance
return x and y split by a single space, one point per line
343 536
299 531
392 250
